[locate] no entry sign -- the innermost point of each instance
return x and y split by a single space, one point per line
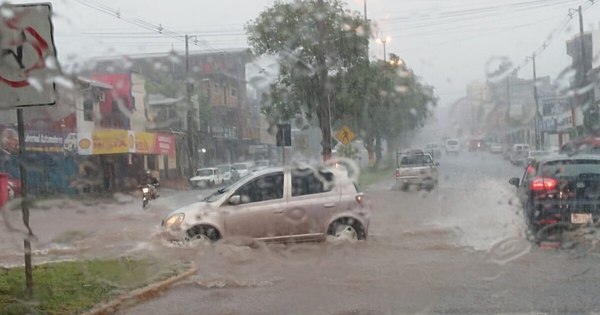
28 64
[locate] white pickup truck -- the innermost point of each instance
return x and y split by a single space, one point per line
416 169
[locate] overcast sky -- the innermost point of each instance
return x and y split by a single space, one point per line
447 42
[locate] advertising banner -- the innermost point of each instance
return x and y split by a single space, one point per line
110 141
165 145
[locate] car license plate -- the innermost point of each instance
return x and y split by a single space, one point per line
581 218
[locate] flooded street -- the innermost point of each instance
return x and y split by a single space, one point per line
458 249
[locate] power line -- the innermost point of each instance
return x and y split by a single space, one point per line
154 27
550 38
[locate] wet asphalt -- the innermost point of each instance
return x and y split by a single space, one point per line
459 249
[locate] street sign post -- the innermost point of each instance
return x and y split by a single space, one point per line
284 138
345 135
28 67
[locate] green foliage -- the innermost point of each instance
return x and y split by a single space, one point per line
291 32
376 99
74 287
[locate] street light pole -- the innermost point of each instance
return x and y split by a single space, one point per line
190 112
537 107
384 42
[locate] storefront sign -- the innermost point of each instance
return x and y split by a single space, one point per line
165 145
110 141
114 141
548 125
145 142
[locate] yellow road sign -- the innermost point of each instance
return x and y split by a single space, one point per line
345 135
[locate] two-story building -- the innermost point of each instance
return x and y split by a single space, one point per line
222 123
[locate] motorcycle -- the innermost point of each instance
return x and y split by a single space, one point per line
149 192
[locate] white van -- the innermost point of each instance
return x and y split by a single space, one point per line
520 147
452 146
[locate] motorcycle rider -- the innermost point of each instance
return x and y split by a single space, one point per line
153 182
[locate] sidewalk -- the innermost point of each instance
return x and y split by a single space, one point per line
71 228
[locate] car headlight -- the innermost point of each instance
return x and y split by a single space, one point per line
174 221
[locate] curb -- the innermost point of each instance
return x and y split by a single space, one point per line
140 295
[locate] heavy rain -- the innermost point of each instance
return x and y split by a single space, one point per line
299 157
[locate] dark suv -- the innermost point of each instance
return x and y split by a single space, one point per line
560 191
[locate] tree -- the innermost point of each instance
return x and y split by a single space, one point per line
316 43
397 102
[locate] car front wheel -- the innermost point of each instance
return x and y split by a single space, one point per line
202 233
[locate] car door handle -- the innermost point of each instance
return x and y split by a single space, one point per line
278 211
329 205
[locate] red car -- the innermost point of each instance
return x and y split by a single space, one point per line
588 144
476 145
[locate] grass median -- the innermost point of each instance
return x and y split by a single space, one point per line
77 286
372 175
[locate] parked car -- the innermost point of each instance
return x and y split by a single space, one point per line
519 158
496 148
226 173
560 190
262 164
416 170
243 168
207 177
452 146
277 204
434 150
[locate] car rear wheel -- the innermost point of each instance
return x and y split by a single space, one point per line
346 229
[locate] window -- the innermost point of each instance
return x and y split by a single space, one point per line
88 110
268 187
234 92
311 182
419 159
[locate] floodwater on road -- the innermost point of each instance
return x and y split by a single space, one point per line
461 248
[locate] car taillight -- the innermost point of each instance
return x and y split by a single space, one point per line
397 173
543 184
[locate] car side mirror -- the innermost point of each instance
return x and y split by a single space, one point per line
235 200
436 163
514 181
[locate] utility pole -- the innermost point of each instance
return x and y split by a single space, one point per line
323 112
190 110
25 205
537 108
507 99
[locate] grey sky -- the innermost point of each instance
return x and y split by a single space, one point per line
447 42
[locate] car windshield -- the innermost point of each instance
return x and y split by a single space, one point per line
206 172
406 137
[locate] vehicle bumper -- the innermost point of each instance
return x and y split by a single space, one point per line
415 180
566 214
